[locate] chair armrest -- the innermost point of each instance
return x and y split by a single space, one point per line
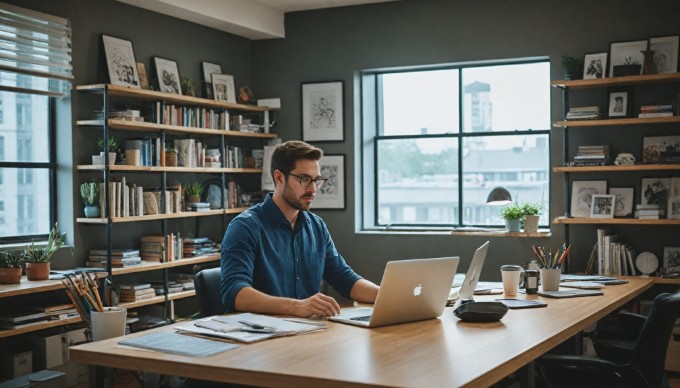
578 362
577 371
632 324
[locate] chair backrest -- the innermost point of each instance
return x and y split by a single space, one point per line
207 284
650 350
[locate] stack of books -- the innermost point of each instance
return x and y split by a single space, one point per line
661 109
199 246
124 114
55 312
198 206
584 113
161 248
135 292
120 258
185 279
594 155
172 287
648 211
16 318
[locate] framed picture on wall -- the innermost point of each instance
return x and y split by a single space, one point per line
654 191
332 194
595 66
623 203
322 111
619 103
671 259
626 58
120 61
603 206
208 69
582 193
168 75
223 87
665 53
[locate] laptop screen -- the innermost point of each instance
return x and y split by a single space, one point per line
472 275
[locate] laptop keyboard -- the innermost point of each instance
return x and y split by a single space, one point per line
363 318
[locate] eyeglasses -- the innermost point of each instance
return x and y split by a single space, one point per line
305 181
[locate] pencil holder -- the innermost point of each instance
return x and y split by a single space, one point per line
109 323
550 279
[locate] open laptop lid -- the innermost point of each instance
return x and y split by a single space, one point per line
410 290
472 275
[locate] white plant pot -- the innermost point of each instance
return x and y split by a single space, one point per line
97 160
531 224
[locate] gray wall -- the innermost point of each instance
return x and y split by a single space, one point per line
332 44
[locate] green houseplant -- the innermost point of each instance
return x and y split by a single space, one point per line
10 267
111 147
193 191
532 213
513 215
89 192
37 257
573 67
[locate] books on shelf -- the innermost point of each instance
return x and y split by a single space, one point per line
591 155
133 295
190 116
584 113
614 257
202 246
661 109
161 248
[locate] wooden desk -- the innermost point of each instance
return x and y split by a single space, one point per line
437 352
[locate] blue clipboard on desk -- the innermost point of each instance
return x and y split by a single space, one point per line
574 293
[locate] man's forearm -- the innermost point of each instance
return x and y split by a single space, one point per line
364 291
252 300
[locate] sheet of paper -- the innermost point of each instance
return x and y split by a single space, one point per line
169 342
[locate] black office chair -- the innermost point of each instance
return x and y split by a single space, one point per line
641 366
207 284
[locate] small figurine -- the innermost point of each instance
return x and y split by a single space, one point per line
245 96
624 159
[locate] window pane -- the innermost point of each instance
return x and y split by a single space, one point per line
506 98
419 103
519 163
418 181
25 209
24 129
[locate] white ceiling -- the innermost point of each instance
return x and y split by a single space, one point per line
252 19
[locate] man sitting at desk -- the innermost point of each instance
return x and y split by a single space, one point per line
275 254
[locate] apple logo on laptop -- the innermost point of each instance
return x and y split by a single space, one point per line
418 290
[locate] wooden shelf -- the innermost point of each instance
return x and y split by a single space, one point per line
28 287
125 125
637 167
159 299
197 170
666 281
150 95
615 81
155 217
613 221
154 265
182 295
39 326
501 233
610 122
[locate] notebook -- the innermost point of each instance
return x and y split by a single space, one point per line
410 290
467 289
570 293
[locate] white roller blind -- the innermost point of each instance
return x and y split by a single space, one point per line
35 52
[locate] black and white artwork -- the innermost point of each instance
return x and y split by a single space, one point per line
332 194
120 60
661 149
623 202
626 53
582 193
168 75
594 65
665 53
674 208
619 104
602 206
223 87
654 191
208 69
671 259
322 111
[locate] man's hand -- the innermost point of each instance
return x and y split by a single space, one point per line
319 305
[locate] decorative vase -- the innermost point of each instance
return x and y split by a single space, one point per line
97 160
91 211
38 271
10 275
512 225
531 224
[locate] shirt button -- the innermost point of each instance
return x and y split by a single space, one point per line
298 278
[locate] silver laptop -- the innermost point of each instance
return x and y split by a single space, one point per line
467 289
410 290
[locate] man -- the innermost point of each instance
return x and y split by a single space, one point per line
275 254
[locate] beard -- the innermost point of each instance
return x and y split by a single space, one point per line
297 203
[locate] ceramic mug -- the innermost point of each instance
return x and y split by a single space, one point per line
512 276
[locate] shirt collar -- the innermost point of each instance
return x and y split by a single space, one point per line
277 215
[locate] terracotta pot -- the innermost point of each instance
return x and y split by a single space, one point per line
10 275
37 271
193 199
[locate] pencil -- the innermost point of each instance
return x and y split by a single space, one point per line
564 255
95 288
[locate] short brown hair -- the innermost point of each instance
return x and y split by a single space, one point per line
286 154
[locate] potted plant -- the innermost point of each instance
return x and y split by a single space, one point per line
573 67
512 214
629 66
89 192
111 147
193 191
532 212
10 267
37 257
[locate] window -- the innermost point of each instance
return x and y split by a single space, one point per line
437 141
35 59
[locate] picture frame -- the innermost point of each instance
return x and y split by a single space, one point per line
332 194
626 53
207 70
603 206
582 196
619 103
624 200
143 78
120 61
322 111
671 259
223 88
654 191
665 53
167 74
595 66
674 208
660 149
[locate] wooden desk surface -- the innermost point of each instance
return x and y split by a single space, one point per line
437 352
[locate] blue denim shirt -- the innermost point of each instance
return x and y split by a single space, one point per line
260 250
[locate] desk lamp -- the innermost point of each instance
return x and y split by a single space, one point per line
499 196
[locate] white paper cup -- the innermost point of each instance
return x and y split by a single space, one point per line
109 323
550 279
511 275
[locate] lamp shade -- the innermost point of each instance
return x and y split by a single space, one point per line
499 196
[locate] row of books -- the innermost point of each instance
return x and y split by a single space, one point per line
19 317
200 246
150 150
120 258
584 113
661 109
131 200
592 155
614 257
189 116
161 248
649 211
121 114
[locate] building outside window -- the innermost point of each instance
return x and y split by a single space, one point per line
439 140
